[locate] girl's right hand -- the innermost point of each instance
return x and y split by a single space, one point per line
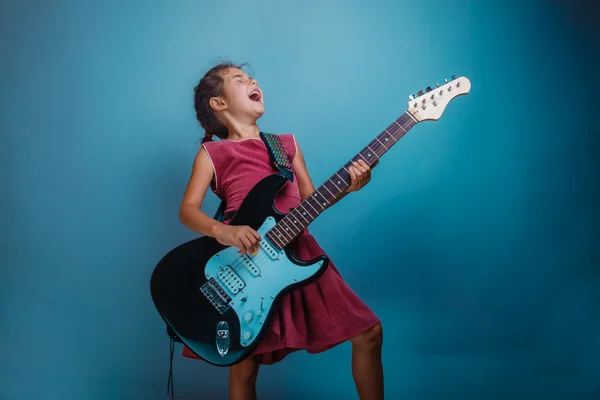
242 237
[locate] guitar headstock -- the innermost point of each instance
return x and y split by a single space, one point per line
431 103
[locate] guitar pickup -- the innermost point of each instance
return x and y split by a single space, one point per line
266 246
231 279
249 264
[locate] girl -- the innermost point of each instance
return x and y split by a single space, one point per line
315 317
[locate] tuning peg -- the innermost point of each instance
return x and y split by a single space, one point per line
411 97
445 80
420 93
428 89
437 84
453 77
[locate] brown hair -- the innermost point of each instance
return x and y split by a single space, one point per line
211 85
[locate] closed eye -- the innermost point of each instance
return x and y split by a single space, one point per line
241 78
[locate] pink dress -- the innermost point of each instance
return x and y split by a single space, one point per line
315 317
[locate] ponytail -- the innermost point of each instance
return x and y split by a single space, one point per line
207 137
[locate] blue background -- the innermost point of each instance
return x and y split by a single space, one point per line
476 242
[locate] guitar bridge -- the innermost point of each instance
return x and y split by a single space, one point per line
216 295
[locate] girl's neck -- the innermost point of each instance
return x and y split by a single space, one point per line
241 132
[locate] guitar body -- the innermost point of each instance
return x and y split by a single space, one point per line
220 302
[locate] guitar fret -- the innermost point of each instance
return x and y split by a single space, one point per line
400 126
382 143
325 198
371 157
307 221
312 217
288 228
318 202
327 194
298 228
368 147
274 239
330 187
388 132
293 219
329 191
280 235
297 221
307 202
342 179
335 185
284 235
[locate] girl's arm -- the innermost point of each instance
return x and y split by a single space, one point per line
243 237
305 183
189 210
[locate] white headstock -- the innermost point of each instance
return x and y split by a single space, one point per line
431 104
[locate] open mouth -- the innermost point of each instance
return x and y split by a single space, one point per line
254 95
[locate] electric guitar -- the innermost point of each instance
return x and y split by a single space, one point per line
220 302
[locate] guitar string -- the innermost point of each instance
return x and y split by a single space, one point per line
376 147
238 265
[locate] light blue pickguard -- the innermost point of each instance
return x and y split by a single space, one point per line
254 281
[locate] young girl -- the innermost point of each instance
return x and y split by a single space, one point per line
315 317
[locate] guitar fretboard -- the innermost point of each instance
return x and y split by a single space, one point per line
290 226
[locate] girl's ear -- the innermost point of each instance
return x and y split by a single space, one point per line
217 103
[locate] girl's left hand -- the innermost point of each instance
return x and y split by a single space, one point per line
360 175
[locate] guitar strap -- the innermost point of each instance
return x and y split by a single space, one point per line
280 159
278 154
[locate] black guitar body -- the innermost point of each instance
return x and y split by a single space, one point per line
177 279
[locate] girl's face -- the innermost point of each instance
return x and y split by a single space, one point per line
242 97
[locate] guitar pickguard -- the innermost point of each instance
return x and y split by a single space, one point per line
253 281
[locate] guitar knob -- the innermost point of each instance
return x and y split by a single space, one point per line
248 316
247 334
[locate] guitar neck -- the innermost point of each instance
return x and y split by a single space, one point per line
290 226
